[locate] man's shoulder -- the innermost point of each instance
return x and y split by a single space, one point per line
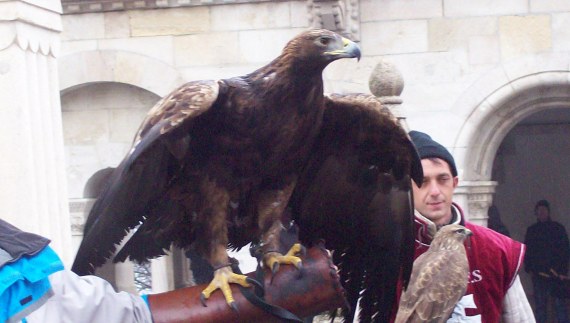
490 237
496 254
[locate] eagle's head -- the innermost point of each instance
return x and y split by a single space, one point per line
450 237
320 47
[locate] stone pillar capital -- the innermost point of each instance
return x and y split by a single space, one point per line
33 25
475 197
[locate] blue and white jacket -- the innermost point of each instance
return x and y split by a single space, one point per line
35 287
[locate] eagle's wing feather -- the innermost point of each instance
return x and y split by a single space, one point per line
356 195
182 105
145 174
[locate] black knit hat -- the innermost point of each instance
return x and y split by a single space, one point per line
427 148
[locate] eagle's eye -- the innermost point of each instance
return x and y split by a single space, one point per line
324 40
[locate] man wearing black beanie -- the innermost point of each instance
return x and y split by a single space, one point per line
494 292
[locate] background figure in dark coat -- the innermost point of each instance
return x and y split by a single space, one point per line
548 253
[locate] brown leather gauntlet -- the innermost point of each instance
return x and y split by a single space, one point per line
318 289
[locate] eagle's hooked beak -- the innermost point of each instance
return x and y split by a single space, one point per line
349 50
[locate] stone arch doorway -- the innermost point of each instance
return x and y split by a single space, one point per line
491 122
515 148
487 126
491 108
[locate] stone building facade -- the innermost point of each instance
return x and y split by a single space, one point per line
488 79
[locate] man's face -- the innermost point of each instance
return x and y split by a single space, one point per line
542 213
433 199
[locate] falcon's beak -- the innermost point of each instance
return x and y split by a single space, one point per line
349 50
468 234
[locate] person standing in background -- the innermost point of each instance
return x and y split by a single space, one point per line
548 254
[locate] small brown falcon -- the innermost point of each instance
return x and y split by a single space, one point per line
439 279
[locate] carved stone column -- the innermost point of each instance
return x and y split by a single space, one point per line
386 82
475 197
33 190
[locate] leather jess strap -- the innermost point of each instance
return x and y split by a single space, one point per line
256 296
288 296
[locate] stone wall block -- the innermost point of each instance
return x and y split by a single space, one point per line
117 24
561 31
522 35
484 50
85 126
448 34
74 26
299 14
159 47
206 49
541 6
394 37
175 21
250 16
76 46
467 8
374 10
124 124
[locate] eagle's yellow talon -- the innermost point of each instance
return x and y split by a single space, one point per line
240 279
295 250
227 291
222 279
274 259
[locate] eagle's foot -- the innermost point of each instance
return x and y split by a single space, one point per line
222 279
274 259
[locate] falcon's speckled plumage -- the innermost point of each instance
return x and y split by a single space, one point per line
439 279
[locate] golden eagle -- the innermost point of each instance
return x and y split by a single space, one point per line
439 278
213 155
216 163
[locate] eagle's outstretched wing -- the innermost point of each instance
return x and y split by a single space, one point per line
356 194
142 178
